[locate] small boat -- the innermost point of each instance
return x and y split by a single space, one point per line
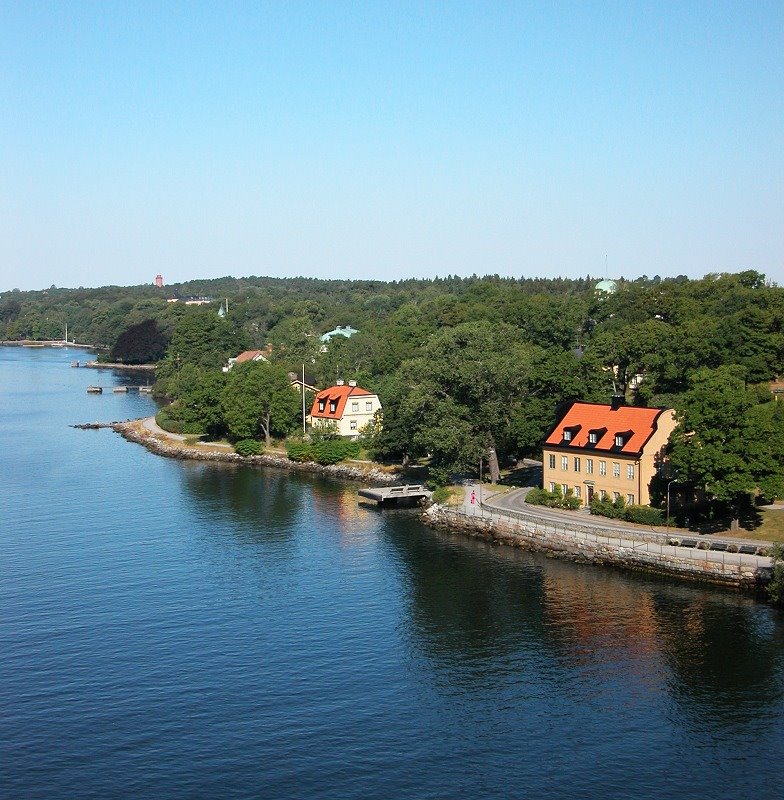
119 389
145 389
74 363
94 390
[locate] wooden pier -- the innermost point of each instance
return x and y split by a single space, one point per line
409 494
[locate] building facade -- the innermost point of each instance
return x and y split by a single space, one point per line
607 451
346 406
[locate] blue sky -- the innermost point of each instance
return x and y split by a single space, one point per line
388 140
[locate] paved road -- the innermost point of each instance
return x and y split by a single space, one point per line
514 500
583 525
152 426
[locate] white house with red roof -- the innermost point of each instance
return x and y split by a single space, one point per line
248 356
347 406
607 450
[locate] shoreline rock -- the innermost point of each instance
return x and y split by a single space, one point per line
569 547
129 431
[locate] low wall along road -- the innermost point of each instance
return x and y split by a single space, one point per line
591 544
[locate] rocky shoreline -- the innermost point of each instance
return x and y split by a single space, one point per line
560 543
130 431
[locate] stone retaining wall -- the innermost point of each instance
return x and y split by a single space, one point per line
597 549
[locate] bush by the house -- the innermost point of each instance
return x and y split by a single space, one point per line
323 451
554 499
249 447
617 509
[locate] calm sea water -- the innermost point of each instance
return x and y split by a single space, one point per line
173 630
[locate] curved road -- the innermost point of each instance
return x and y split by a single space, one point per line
514 501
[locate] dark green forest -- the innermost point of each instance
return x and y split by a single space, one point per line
466 367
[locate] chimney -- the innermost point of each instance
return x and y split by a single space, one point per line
352 383
618 400
339 382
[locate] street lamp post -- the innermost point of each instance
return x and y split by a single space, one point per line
674 480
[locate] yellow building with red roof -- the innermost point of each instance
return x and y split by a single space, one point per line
607 450
347 406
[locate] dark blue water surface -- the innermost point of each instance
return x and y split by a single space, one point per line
182 630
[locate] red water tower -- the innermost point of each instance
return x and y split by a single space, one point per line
159 281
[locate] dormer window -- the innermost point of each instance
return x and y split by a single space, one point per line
333 406
593 437
622 437
570 432
322 405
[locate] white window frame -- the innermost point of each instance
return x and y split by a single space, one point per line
616 469
369 405
565 463
353 425
567 435
576 463
589 466
602 467
551 460
355 407
593 437
629 499
630 471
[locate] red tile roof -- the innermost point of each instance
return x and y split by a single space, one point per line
635 424
340 395
250 355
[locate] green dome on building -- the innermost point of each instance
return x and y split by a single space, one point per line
606 286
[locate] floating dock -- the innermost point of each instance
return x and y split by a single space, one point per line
409 494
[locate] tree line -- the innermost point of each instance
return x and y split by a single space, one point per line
466 368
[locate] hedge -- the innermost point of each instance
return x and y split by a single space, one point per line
541 497
249 447
617 509
325 451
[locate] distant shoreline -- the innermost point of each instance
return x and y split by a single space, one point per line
116 365
59 343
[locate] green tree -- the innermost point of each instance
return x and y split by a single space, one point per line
140 344
258 398
722 443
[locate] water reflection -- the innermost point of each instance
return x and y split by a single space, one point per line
717 654
260 503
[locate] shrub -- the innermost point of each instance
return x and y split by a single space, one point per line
299 451
441 495
617 509
249 447
644 515
167 421
323 450
555 499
